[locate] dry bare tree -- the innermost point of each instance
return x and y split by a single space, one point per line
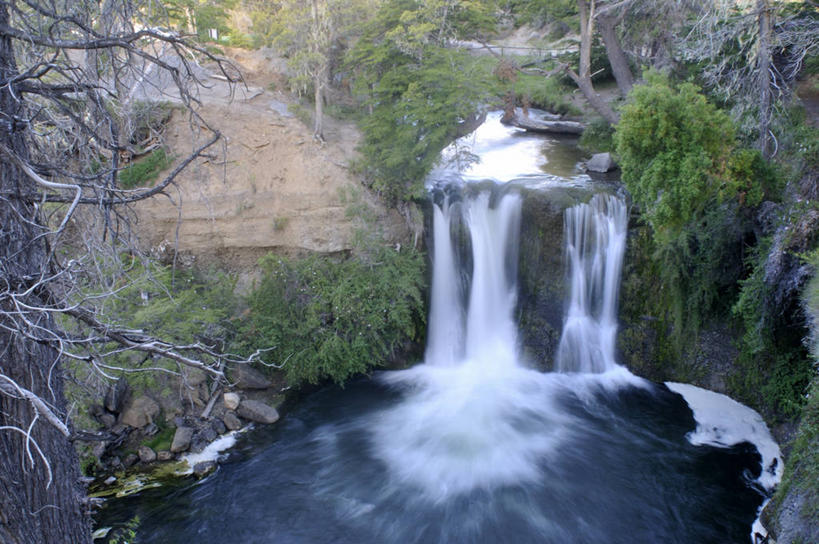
751 52
72 75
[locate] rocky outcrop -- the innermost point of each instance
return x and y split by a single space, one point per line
542 270
117 395
276 189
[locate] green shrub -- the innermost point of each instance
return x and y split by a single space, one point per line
598 137
145 170
335 318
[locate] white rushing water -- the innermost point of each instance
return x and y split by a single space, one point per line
595 236
474 416
445 340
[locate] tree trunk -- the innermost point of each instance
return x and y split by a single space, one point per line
614 52
32 509
583 79
320 78
318 127
764 64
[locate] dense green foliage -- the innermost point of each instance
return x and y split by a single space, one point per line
701 254
332 318
676 150
680 163
419 91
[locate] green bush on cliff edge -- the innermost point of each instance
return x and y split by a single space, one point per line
330 318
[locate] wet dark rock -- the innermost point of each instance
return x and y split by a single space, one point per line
204 468
198 444
146 454
541 271
130 460
246 377
117 395
98 450
209 434
231 421
218 426
181 439
150 430
259 412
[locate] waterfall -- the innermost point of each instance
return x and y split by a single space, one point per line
486 325
445 336
595 241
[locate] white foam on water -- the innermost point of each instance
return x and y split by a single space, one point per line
211 452
724 422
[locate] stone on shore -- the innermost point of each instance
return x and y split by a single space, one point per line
259 412
181 439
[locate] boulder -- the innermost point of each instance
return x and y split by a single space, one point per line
117 395
181 439
601 162
258 412
245 377
231 400
164 455
231 421
146 454
139 412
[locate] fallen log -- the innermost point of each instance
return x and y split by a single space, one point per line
544 126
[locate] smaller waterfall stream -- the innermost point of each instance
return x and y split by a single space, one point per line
595 236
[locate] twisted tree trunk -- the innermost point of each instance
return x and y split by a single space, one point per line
614 52
41 497
583 78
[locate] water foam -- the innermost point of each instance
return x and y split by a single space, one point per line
723 422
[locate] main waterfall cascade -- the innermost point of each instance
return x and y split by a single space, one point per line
475 445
